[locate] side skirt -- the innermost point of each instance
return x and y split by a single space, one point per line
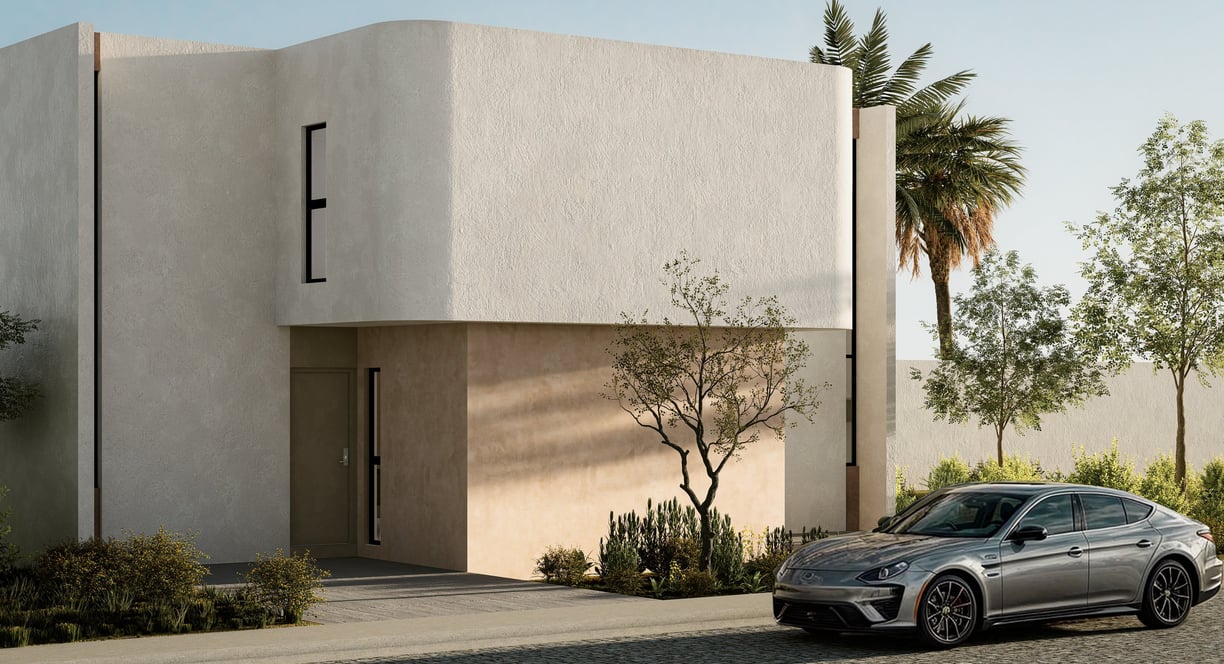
1095 612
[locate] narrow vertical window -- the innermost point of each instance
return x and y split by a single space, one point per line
375 462
316 203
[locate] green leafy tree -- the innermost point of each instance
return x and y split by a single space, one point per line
16 394
1016 357
1156 269
954 172
712 382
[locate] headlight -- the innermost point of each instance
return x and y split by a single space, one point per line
884 573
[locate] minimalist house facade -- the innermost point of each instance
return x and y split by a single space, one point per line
355 295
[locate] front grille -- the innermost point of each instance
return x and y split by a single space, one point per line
819 616
888 608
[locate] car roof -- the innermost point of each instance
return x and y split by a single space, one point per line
1034 488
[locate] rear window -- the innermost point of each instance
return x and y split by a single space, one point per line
1102 511
1135 510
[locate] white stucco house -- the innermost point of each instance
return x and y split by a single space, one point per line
355 294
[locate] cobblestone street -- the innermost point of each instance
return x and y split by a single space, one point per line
1119 639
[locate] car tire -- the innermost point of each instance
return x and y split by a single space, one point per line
1168 595
948 611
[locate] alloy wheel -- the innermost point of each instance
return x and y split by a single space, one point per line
1169 596
949 611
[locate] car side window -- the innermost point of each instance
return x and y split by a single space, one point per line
1102 511
1135 510
1054 514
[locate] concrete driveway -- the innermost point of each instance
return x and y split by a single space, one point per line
363 590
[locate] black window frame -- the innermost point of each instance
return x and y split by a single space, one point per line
311 202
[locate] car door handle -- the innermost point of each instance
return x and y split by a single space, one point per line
1143 544
1075 552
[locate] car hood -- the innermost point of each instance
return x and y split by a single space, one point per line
864 551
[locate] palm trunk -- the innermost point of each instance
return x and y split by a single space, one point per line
941 269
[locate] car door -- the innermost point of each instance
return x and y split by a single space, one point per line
1118 551
1047 575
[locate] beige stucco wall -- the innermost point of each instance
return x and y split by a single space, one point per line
423 383
549 458
1140 412
46 273
194 370
816 451
875 312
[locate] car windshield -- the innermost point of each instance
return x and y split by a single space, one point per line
957 514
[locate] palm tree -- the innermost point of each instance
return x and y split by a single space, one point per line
952 174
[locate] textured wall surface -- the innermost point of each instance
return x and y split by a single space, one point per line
549 458
1140 412
423 384
46 272
816 451
875 302
502 175
195 372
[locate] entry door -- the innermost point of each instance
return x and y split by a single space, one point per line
321 433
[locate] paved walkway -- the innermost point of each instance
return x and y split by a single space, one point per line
364 590
377 608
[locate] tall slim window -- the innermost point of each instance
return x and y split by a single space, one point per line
316 203
375 478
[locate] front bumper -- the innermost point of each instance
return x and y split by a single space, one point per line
816 599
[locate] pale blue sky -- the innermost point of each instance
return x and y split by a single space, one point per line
1083 81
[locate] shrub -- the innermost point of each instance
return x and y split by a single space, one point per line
1107 469
618 567
288 585
947 472
114 574
906 494
669 532
8 550
697 583
1014 469
165 567
1209 508
1159 484
14 636
563 565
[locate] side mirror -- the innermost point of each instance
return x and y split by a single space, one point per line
1028 534
883 522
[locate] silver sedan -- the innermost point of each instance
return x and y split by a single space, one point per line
974 556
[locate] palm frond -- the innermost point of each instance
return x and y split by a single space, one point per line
873 63
840 42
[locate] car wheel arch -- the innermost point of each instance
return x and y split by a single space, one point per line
975 585
1186 564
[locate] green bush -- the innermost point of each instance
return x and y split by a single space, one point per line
618 567
698 583
906 494
727 556
1159 484
1209 508
1107 469
114 574
8 550
14 636
288 585
563 565
669 532
947 472
1014 469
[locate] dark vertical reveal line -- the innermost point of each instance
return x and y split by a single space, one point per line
371 434
854 293
97 288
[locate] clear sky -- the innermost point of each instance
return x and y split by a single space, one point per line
1084 81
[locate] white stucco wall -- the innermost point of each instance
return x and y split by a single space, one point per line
46 259
1140 412
195 372
487 174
